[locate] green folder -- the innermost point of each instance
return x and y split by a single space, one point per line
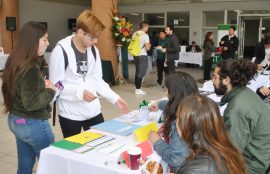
64 144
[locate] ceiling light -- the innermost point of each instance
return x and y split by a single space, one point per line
135 14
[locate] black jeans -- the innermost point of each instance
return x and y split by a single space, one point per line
160 70
73 127
170 68
207 68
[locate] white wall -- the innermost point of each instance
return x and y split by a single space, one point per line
55 14
195 11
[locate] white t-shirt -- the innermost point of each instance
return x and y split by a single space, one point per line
144 38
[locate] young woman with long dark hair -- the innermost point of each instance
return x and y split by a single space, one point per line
208 53
27 96
172 148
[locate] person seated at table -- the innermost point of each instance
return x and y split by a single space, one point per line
168 144
200 125
246 117
194 47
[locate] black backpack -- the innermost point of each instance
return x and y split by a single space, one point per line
66 65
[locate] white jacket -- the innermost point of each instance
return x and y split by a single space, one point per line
70 102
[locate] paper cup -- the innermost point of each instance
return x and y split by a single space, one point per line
134 154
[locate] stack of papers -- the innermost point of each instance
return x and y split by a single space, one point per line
117 127
82 142
84 137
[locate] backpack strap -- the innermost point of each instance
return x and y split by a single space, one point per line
66 65
94 52
65 57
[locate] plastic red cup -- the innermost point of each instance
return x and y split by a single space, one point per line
134 154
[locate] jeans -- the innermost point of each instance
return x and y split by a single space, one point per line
32 135
73 127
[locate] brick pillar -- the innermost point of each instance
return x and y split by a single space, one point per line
103 10
9 8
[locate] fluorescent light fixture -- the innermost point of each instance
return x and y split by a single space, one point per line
160 17
181 20
238 11
135 14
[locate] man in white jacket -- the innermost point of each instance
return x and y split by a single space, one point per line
75 63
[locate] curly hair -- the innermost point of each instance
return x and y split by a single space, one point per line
240 71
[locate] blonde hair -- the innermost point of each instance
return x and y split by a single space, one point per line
89 23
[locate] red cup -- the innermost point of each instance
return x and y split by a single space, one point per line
134 154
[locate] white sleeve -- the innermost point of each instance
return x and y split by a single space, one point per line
258 82
57 72
101 86
146 39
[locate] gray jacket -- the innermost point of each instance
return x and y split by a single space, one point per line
208 48
200 164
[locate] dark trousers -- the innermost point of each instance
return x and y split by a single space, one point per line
207 68
160 70
73 127
141 63
124 52
170 68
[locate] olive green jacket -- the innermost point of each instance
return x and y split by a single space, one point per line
247 120
32 99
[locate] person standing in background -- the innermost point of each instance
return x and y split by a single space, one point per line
27 96
141 61
172 50
208 53
163 42
229 44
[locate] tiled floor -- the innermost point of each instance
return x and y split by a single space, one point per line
8 155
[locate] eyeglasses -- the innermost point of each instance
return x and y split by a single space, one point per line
92 38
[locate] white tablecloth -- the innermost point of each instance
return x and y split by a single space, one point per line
58 161
190 57
3 60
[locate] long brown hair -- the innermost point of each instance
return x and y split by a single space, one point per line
208 39
179 85
202 128
22 58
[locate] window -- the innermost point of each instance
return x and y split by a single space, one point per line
232 17
135 19
155 19
212 18
183 35
178 18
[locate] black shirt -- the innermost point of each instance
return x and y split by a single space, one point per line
81 60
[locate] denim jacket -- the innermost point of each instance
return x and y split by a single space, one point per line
175 152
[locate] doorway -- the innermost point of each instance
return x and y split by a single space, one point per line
252 28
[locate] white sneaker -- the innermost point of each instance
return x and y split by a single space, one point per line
139 92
